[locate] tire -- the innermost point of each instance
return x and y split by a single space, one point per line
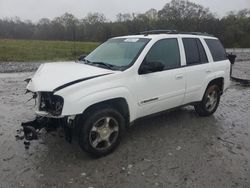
101 131
210 101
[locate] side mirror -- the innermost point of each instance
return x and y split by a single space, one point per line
82 57
231 58
149 67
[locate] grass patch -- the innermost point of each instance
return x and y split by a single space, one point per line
37 51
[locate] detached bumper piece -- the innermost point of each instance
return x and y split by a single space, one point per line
31 129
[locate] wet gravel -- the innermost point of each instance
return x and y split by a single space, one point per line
9 67
176 149
243 54
241 70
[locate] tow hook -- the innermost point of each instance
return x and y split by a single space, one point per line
30 133
31 129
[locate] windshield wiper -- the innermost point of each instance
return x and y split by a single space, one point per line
109 66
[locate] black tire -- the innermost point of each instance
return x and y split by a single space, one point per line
95 126
205 107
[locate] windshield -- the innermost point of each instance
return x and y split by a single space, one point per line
118 54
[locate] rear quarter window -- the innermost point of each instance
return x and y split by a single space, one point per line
217 50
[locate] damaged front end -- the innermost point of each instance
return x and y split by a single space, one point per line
50 104
47 104
48 110
57 100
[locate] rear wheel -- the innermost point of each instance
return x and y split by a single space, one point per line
210 101
101 131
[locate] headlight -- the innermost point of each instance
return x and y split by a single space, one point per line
51 103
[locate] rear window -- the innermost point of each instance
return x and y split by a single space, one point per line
217 50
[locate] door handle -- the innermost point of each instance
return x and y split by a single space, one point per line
179 77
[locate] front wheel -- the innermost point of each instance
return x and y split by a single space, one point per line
101 131
210 101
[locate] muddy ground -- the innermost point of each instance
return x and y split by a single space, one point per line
176 149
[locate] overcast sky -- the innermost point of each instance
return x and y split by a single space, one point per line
36 9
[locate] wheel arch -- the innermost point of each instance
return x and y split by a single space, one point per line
201 107
120 104
219 82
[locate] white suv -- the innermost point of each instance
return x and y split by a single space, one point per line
131 77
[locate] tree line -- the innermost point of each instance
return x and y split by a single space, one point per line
233 29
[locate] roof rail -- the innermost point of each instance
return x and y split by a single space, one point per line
172 32
196 33
158 32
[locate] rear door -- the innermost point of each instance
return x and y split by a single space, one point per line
197 69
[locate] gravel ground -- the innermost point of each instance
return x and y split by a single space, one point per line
243 54
241 70
177 149
9 67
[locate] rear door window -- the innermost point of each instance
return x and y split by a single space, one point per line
203 55
194 50
217 50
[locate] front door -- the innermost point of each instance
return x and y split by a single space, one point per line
162 90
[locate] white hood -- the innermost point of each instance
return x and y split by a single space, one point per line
50 76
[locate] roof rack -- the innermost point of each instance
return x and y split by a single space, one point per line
172 32
158 32
196 33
